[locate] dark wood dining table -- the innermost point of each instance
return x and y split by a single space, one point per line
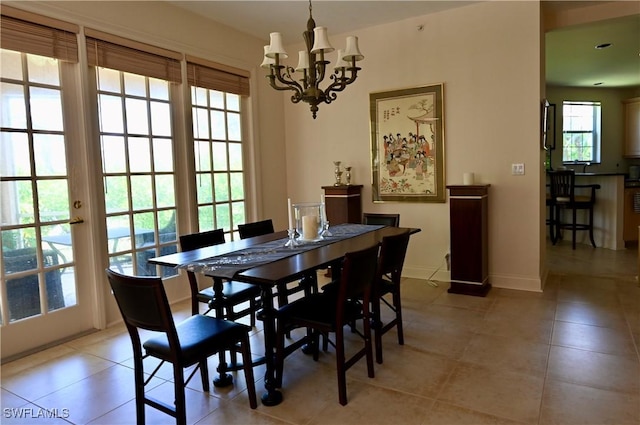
274 275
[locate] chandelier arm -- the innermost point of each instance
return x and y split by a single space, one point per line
289 83
341 82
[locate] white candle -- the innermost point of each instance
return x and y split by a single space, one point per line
309 227
289 213
324 209
468 178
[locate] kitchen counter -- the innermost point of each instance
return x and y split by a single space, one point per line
608 212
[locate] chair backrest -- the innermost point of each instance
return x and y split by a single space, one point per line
258 228
392 220
358 273
202 239
143 303
562 185
392 254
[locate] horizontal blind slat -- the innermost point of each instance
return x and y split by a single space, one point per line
28 37
110 55
216 79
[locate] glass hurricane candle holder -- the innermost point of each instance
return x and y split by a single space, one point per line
308 221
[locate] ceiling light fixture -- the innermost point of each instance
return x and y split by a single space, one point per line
312 64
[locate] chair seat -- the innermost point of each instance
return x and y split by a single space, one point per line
318 310
232 291
197 334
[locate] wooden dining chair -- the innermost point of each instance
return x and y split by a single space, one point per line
565 198
257 228
392 220
329 312
233 293
390 262
144 305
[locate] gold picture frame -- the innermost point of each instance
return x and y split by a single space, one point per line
407 144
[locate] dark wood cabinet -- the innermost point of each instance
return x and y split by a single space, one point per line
469 207
343 204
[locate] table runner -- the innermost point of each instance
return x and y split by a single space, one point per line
226 266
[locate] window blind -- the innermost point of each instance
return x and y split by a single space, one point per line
111 51
39 35
215 76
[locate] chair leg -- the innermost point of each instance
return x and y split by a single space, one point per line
593 242
340 367
279 361
178 386
252 314
367 344
398 306
573 228
139 383
248 372
204 374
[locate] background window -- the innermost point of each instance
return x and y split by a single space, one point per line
581 131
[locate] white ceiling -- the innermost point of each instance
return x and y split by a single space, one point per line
572 59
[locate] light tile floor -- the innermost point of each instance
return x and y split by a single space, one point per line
568 355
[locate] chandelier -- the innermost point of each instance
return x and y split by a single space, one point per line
312 65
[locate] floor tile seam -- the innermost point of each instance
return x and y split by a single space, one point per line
595 387
546 372
538 375
373 383
484 412
626 356
628 329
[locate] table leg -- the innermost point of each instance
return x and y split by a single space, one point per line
272 397
223 379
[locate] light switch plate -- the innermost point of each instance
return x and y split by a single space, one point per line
517 169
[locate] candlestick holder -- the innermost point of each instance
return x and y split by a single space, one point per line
337 173
293 238
348 175
325 229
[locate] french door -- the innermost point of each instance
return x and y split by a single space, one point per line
41 205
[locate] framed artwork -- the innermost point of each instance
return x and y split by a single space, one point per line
551 126
407 144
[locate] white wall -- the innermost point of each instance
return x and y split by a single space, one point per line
488 57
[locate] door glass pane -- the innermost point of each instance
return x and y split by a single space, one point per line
43 70
139 155
141 193
53 200
14 109
49 155
113 154
166 196
15 155
162 155
17 202
134 84
46 109
116 194
11 65
137 116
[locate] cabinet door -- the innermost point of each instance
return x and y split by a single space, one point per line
632 127
631 217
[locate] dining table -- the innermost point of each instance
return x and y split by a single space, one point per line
271 263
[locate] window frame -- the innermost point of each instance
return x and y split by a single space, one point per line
595 132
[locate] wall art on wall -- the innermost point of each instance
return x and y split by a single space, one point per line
407 144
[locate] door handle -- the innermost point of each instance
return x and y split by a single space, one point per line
76 220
